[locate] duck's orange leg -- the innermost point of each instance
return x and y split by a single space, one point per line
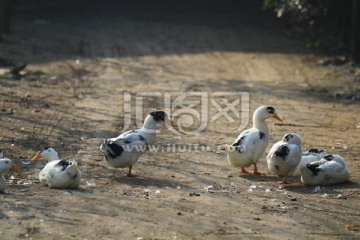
284 181
244 170
256 171
129 174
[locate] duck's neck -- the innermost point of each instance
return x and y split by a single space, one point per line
149 130
260 124
149 123
53 157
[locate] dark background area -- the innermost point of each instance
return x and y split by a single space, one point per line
323 26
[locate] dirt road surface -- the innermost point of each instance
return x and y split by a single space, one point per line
83 56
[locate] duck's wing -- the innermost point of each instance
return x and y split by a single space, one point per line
48 166
336 158
289 153
314 166
67 165
134 137
64 174
130 141
281 151
314 152
332 168
249 137
294 155
54 166
273 149
253 143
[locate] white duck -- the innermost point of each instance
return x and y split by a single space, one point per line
331 169
123 151
58 173
5 165
285 155
309 156
251 144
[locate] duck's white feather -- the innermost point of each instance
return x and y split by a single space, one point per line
45 170
63 174
285 155
247 148
58 173
282 165
251 144
309 156
5 165
329 170
124 150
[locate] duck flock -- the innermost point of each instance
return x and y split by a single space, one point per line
285 158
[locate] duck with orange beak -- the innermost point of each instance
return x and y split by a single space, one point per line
252 143
58 173
124 151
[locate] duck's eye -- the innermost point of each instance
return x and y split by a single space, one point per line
49 150
270 110
288 137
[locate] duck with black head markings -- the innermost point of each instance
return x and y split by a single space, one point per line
251 143
285 155
329 170
124 150
58 173
308 156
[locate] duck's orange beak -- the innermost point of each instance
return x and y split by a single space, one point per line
14 168
37 157
277 117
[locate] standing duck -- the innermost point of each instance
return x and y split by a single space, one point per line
124 151
331 169
285 155
58 173
309 156
251 143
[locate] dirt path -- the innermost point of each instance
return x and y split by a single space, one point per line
80 65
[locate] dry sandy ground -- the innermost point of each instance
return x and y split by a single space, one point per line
82 58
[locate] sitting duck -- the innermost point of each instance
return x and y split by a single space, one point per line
58 173
308 156
331 169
